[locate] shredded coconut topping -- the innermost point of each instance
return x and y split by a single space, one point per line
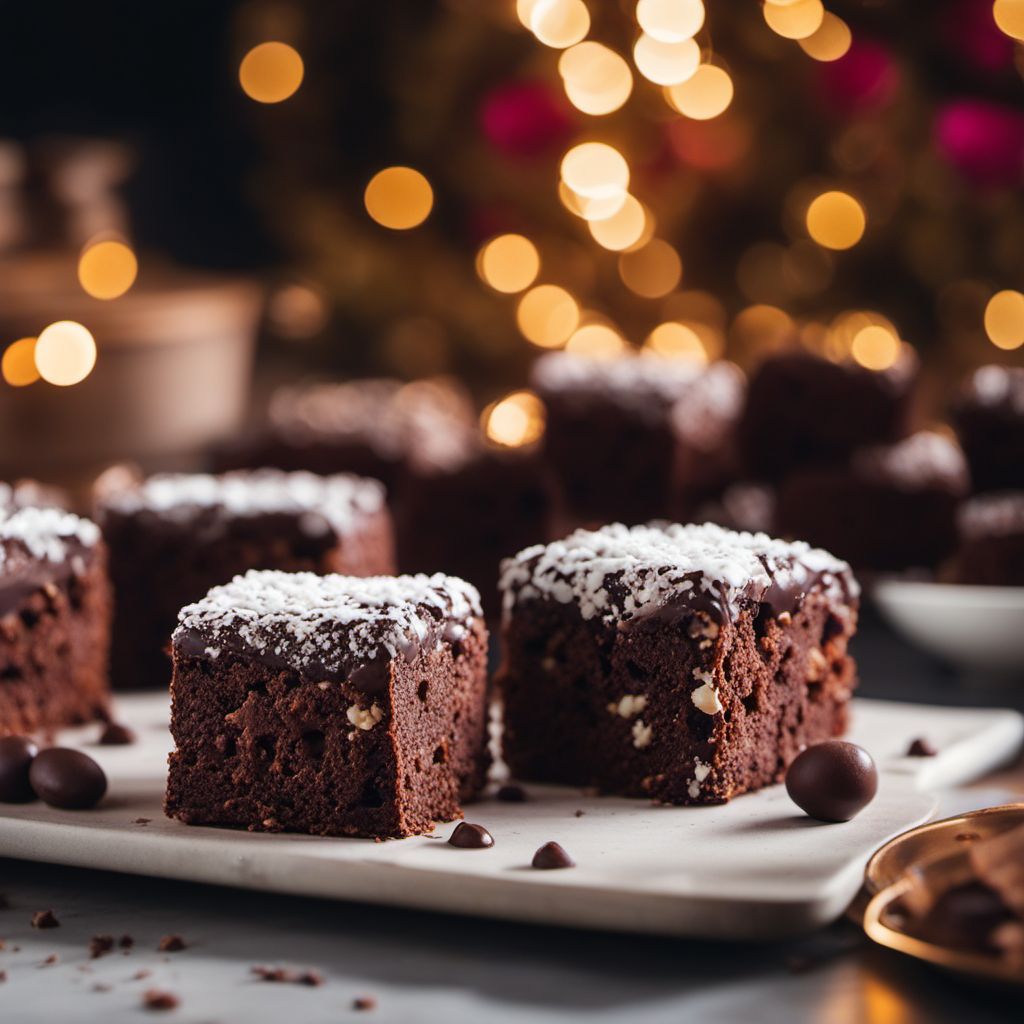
925 459
631 380
1000 514
621 573
341 500
47 534
329 624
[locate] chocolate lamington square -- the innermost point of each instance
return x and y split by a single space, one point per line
687 664
331 705
889 507
369 427
988 414
173 536
54 620
635 437
805 410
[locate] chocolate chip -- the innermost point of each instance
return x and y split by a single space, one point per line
116 735
832 781
171 944
511 794
156 999
45 919
67 778
16 755
126 942
470 837
100 944
551 856
364 1003
921 748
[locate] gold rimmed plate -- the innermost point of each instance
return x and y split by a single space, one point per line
939 851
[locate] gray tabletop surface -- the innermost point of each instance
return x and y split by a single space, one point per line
430 967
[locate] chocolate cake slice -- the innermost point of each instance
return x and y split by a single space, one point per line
988 414
991 551
54 620
173 536
635 437
683 663
330 705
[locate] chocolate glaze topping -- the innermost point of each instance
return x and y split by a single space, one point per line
632 575
330 628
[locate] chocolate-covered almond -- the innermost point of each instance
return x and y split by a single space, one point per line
832 781
67 778
16 755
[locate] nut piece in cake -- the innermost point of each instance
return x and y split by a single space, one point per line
333 705
54 620
687 664
173 536
890 507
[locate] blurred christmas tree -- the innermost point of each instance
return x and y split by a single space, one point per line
765 169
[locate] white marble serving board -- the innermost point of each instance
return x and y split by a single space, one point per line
753 868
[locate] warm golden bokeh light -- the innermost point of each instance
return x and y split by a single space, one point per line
18 365
399 198
65 353
1004 320
107 270
547 315
559 23
509 263
1009 16
297 311
665 63
844 328
836 220
596 79
705 95
674 340
596 341
796 20
595 170
591 209
271 72
670 21
515 420
761 328
875 347
623 229
653 271
830 41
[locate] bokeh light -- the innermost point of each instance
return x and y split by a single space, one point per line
623 229
795 20
830 41
705 95
590 209
670 21
297 311
595 170
509 263
18 365
652 271
515 420
547 315
596 341
271 72
1009 16
107 269
836 220
673 340
760 329
1004 320
596 79
665 63
875 347
65 353
559 23
399 198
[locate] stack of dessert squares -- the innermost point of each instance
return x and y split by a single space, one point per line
319 604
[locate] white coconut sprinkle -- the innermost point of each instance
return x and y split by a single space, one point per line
923 460
45 533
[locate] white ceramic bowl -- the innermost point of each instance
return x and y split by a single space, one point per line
974 627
